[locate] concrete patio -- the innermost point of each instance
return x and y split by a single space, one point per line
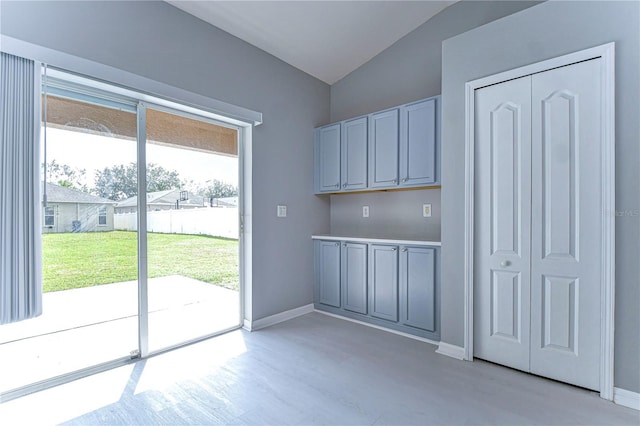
84 327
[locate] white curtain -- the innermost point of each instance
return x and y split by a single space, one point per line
20 233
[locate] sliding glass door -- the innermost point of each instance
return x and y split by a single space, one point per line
140 233
192 228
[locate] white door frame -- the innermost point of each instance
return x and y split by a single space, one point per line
607 203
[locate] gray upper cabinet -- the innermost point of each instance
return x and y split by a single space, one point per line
419 148
354 277
383 282
354 154
418 289
327 154
395 148
384 136
328 272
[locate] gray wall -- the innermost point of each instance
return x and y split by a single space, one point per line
392 214
542 32
158 41
411 68
407 71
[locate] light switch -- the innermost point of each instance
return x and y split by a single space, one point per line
282 211
426 210
365 211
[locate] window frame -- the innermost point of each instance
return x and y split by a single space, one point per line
52 216
101 215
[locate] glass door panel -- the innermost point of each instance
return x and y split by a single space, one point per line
89 254
192 228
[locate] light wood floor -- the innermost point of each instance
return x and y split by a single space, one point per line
313 369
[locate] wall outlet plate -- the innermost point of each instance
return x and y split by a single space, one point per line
365 211
426 210
281 211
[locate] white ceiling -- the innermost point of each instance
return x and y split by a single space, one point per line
327 39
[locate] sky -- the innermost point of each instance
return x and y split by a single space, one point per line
94 152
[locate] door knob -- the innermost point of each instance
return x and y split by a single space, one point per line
505 263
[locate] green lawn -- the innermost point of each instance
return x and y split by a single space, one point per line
86 259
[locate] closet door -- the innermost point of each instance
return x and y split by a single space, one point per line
538 240
566 230
502 238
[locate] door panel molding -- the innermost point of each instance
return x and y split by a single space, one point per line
560 177
606 53
506 132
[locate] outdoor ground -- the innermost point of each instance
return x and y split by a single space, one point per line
76 260
84 327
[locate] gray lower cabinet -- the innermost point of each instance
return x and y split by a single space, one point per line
328 273
383 281
418 288
354 277
394 286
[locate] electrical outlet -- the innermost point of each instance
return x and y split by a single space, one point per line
282 211
426 210
365 211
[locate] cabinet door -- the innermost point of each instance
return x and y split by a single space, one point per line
418 287
327 159
383 149
354 277
418 144
354 154
328 273
383 282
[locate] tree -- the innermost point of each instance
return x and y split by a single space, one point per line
217 189
67 176
121 182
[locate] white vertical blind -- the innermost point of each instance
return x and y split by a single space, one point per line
20 233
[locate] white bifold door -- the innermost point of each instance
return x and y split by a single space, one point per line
538 242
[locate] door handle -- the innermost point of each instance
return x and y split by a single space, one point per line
505 263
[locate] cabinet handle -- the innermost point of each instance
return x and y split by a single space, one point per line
405 179
395 181
404 250
344 185
505 263
337 244
337 185
393 249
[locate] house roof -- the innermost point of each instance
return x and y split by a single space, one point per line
61 194
228 201
168 197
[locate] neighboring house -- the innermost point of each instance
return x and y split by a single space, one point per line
224 202
70 210
172 199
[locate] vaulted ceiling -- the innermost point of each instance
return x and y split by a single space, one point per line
327 39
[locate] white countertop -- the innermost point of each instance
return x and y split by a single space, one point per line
413 242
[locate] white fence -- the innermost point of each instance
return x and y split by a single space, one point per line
217 222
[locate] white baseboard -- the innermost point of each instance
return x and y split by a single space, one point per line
453 351
275 319
626 398
400 333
